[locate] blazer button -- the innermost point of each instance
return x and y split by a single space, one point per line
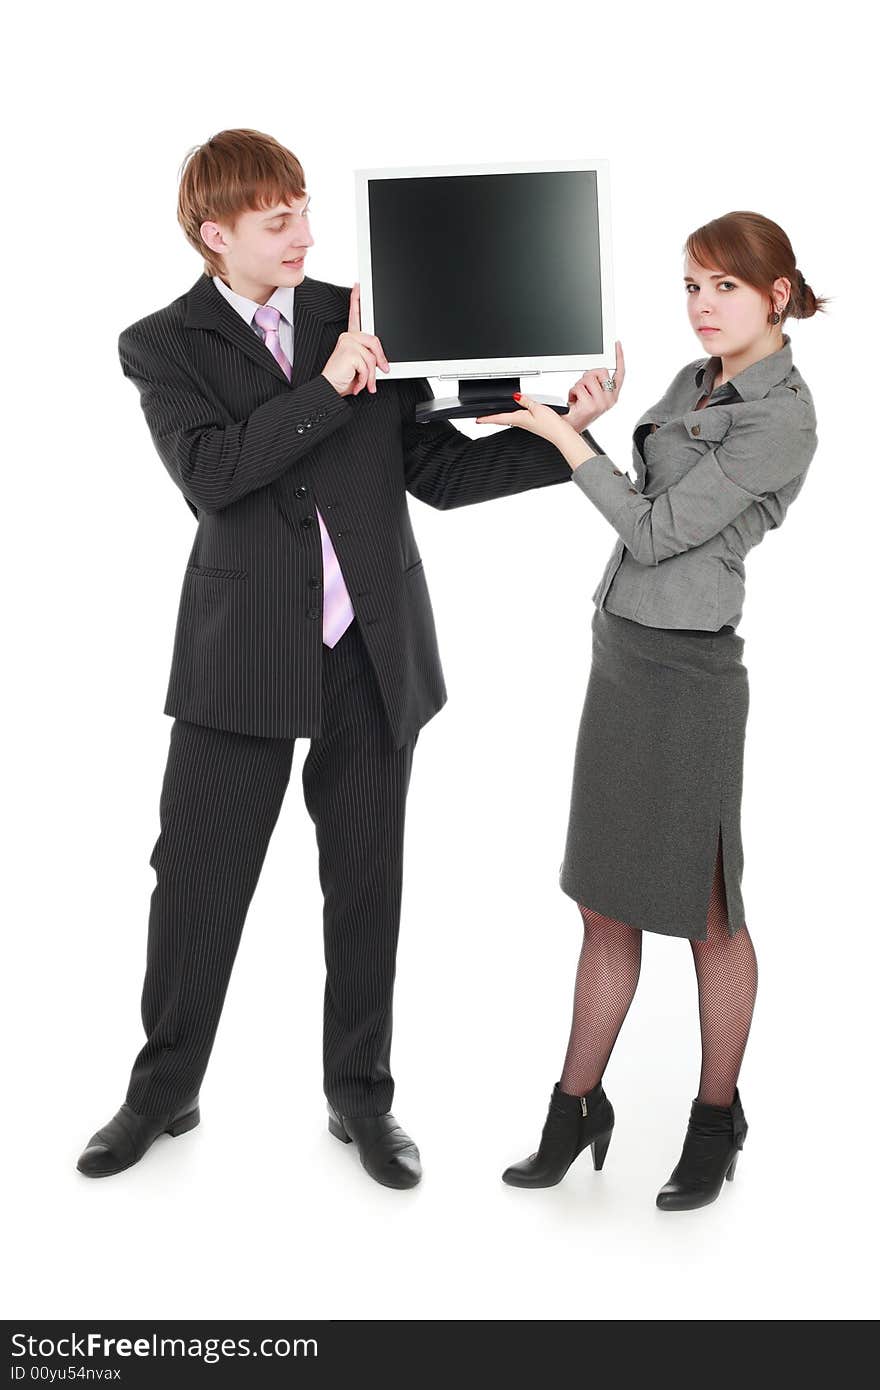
301 492
306 522
314 583
617 473
313 613
632 489
300 430
695 429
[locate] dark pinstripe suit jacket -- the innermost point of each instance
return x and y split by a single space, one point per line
254 454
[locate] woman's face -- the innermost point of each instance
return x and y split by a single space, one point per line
727 315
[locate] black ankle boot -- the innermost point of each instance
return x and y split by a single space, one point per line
572 1123
715 1135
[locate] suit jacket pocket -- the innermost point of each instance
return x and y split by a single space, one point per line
212 572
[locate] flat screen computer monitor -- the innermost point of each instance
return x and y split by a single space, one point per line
483 275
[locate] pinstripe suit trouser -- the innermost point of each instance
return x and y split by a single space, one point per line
221 796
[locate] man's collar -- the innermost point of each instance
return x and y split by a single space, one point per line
316 303
206 307
752 383
281 299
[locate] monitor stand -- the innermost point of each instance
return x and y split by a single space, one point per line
490 395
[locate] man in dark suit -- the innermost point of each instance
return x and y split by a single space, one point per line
304 612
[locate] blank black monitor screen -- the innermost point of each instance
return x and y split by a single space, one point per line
486 265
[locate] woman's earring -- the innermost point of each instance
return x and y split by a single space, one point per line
775 316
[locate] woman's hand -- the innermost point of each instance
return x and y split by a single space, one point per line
531 416
587 400
540 419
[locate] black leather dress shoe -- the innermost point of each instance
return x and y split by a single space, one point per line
386 1150
124 1140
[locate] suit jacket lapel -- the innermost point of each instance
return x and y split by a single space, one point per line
207 309
307 326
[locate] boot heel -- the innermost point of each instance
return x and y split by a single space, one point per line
600 1148
184 1124
337 1131
732 1169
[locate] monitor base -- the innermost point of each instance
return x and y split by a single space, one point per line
481 396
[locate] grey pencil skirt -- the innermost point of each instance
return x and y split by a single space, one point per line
658 777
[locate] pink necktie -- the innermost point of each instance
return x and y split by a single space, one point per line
338 612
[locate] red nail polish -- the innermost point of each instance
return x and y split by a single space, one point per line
517 395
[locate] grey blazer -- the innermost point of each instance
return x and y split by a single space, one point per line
711 483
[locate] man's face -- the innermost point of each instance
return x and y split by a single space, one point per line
267 248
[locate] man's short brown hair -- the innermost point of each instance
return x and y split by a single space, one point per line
233 171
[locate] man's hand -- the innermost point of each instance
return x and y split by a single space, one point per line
352 364
586 399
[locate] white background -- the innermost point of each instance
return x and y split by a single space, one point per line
259 1212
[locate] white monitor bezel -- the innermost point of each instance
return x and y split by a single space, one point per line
464 368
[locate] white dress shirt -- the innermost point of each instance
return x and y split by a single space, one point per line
281 299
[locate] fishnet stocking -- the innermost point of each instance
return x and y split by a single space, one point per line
607 975
605 983
727 982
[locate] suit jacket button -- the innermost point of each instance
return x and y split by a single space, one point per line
632 489
314 583
617 473
301 491
313 613
300 430
695 429
306 522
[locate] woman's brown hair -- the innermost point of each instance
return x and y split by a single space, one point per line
757 251
234 170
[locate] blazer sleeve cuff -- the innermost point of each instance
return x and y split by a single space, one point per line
606 485
322 393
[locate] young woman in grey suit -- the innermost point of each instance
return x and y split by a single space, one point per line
653 840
